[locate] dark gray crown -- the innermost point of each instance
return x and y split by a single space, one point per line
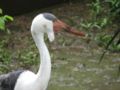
49 16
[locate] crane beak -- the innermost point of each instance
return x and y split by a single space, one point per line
59 25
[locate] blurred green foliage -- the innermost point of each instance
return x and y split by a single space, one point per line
5 56
103 13
103 40
3 20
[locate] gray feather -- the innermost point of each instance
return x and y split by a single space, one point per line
50 16
8 81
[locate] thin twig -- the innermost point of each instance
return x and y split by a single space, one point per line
106 48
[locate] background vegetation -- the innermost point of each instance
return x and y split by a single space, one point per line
75 59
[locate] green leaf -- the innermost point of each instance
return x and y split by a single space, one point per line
83 25
97 26
8 18
104 22
2 24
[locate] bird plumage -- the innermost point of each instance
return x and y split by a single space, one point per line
50 16
7 81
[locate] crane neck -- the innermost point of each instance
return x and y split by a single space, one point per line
43 74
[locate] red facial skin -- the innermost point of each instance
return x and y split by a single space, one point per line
59 25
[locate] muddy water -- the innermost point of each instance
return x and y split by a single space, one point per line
76 65
76 68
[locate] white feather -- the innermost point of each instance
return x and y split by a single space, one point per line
28 80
